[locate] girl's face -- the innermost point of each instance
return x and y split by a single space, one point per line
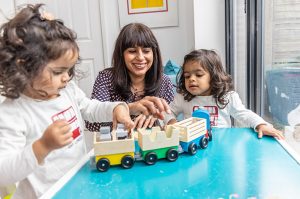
54 76
196 79
138 61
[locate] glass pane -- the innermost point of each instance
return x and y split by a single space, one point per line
282 63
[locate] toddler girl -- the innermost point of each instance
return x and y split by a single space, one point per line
203 83
41 120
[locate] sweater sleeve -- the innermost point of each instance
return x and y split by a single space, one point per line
240 113
100 92
94 110
17 160
176 107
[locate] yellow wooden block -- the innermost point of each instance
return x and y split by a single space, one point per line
114 159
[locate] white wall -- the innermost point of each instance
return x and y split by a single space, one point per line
174 42
209 17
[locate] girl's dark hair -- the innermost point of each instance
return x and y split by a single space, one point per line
27 43
220 81
132 35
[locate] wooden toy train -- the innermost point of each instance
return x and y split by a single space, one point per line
122 148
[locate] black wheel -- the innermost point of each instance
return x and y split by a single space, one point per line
151 158
209 135
127 161
192 149
203 142
172 155
103 164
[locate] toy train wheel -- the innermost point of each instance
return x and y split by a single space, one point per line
209 135
103 164
127 162
192 149
151 158
203 142
172 155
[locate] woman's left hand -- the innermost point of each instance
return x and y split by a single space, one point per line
150 105
143 121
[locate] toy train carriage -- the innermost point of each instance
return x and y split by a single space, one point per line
115 148
157 144
193 133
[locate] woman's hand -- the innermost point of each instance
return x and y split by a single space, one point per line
264 129
150 105
121 115
143 121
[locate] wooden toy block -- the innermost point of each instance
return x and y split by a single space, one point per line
157 138
114 146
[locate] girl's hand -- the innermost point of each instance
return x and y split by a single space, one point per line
121 115
56 136
150 105
264 129
143 121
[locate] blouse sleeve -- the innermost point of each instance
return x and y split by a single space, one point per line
167 89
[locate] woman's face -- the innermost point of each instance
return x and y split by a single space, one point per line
138 61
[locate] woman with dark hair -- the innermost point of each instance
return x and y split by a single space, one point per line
136 77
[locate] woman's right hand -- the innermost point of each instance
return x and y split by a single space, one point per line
150 105
56 136
143 121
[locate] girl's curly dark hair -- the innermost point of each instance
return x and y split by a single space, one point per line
27 43
220 81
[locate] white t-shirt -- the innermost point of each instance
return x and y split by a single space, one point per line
219 117
23 121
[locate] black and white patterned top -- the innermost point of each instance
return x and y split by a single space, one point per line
103 91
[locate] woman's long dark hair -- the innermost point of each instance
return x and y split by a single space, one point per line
220 81
27 43
132 35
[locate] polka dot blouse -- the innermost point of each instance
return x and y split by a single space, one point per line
102 91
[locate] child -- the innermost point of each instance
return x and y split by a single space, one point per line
41 120
203 83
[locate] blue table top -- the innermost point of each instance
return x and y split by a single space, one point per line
234 165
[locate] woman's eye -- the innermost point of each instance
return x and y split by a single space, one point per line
147 50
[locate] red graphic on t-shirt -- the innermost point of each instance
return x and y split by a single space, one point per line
70 116
213 112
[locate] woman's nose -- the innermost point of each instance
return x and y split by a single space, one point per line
139 55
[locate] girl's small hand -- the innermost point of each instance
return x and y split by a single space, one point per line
57 135
121 115
143 121
264 129
150 105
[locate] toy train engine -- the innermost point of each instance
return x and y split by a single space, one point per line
192 134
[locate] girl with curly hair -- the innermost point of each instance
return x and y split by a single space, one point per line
203 83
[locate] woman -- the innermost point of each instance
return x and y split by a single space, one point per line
136 77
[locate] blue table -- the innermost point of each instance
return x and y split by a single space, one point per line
235 165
